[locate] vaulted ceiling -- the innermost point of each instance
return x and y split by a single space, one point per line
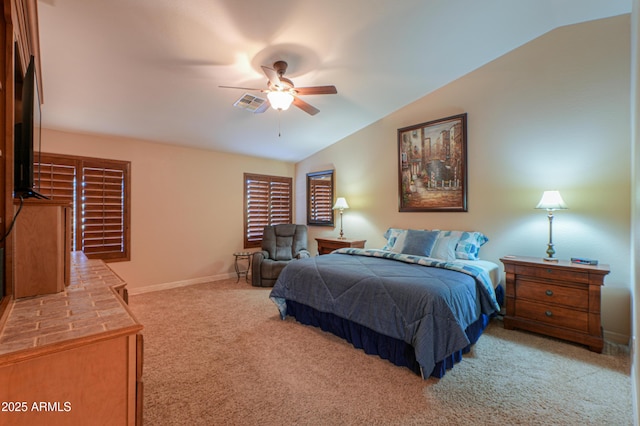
151 69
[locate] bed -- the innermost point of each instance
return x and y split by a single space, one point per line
400 302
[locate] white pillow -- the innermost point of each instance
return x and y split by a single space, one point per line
445 248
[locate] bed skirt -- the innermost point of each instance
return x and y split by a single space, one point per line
500 295
397 351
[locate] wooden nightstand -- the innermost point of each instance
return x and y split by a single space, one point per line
559 299
327 245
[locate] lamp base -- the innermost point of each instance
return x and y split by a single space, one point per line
549 259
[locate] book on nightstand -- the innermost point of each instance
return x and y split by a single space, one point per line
584 261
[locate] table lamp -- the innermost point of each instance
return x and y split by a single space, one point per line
551 200
341 204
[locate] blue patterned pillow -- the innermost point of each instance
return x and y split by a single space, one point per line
469 243
419 243
392 235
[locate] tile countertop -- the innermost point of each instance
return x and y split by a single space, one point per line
88 310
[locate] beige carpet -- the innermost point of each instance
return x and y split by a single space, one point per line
218 354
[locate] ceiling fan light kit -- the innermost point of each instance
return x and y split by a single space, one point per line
280 100
281 92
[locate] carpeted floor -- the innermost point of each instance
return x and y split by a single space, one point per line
218 354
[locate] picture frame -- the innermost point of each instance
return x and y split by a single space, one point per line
432 166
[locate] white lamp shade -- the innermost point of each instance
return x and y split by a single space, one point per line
341 204
552 200
280 100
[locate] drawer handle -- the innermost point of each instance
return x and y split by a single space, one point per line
549 271
549 292
549 313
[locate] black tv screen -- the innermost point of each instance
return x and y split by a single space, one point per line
27 135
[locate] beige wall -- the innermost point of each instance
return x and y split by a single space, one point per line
553 114
186 206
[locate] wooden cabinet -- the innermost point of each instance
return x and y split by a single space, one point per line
327 245
42 240
558 299
75 357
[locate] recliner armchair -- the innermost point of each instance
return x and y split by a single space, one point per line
280 245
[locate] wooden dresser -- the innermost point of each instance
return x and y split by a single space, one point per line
558 299
327 245
74 357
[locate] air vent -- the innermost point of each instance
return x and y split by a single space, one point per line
252 103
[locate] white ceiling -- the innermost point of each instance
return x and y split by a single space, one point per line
150 69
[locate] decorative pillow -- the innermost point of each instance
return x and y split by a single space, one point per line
469 243
419 243
399 244
445 248
392 235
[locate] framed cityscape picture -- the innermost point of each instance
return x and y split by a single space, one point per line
432 166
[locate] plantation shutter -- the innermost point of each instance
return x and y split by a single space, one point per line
55 178
103 209
99 193
321 200
268 201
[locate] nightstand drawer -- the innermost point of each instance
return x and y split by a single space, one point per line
538 291
553 315
327 245
553 274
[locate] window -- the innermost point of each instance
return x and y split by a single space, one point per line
98 191
320 198
267 201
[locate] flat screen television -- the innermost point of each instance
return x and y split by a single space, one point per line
27 136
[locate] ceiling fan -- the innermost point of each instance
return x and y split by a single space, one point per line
281 92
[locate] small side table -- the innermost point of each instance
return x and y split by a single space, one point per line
239 257
327 245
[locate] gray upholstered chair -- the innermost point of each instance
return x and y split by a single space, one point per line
280 245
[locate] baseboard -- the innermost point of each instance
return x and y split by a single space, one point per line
176 284
617 338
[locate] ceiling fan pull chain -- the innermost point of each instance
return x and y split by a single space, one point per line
279 111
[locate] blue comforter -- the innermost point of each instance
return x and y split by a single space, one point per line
424 302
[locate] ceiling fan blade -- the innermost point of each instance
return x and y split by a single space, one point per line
272 75
317 90
243 88
309 109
